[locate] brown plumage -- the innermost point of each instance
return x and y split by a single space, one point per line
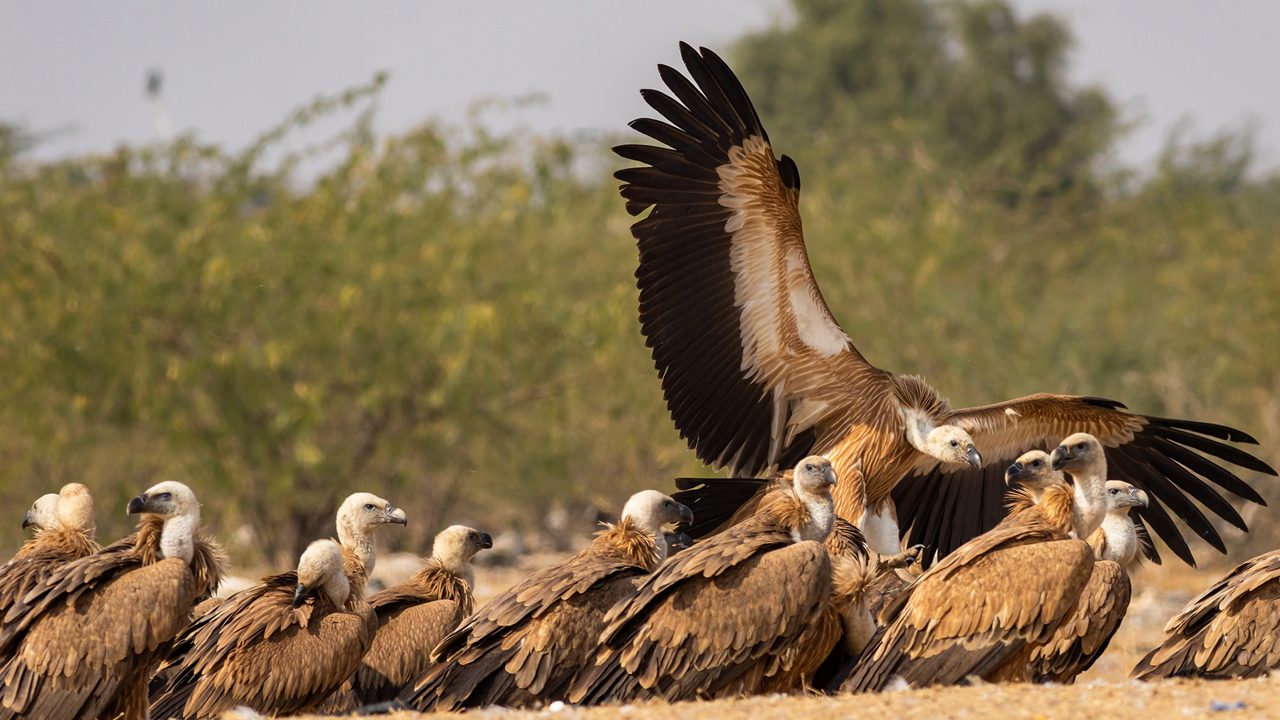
526 645
64 532
283 645
82 644
1231 630
757 373
412 618
724 616
981 610
1081 639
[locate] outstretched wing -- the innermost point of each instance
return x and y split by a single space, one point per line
1172 460
751 360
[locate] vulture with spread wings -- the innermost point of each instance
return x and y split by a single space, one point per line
757 374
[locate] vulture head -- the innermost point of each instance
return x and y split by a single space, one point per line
1121 496
952 444
1034 471
320 572
174 502
1077 453
43 513
649 510
456 545
358 516
813 479
75 508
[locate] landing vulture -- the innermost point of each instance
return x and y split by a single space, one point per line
64 532
1081 640
283 645
83 642
757 374
525 646
413 617
981 610
1231 630
724 616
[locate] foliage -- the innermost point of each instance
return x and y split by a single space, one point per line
447 316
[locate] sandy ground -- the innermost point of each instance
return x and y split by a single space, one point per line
1103 692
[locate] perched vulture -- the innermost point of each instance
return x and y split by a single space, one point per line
282 646
723 617
757 374
1231 630
64 532
1082 639
525 646
981 610
83 642
413 617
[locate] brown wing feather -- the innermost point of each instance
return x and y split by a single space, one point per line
1081 639
526 644
255 649
712 634
1172 460
1231 630
38 558
401 650
752 362
92 633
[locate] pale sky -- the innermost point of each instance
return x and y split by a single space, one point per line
236 67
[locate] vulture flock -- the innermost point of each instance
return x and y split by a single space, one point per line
1021 521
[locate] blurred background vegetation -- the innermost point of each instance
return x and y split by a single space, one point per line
447 316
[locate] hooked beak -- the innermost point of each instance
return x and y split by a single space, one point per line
486 541
138 504
973 456
686 515
1060 457
1139 497
1012 474
829 475
300 595
396 515
26 520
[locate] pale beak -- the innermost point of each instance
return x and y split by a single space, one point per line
26 520
1012 474
829 475
1060 456
397 516
686 515
1139 497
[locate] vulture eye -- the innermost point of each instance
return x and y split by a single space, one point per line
369 506
666 503
955 443
1080 446
809 467
1113 491
163 496
1036 463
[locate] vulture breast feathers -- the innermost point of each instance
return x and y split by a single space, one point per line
279 647
716 620
83 642
757 373
526 645
65 531
981 610
1231 630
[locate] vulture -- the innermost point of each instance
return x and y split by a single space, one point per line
82 643
282 646
723 617
1231 630
981 610
1082 639
64 532
757 374
525 646
413 617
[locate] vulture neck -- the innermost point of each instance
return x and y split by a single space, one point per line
360 542
646 523
822 516
1090 506
455 565
177 539
1119 538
